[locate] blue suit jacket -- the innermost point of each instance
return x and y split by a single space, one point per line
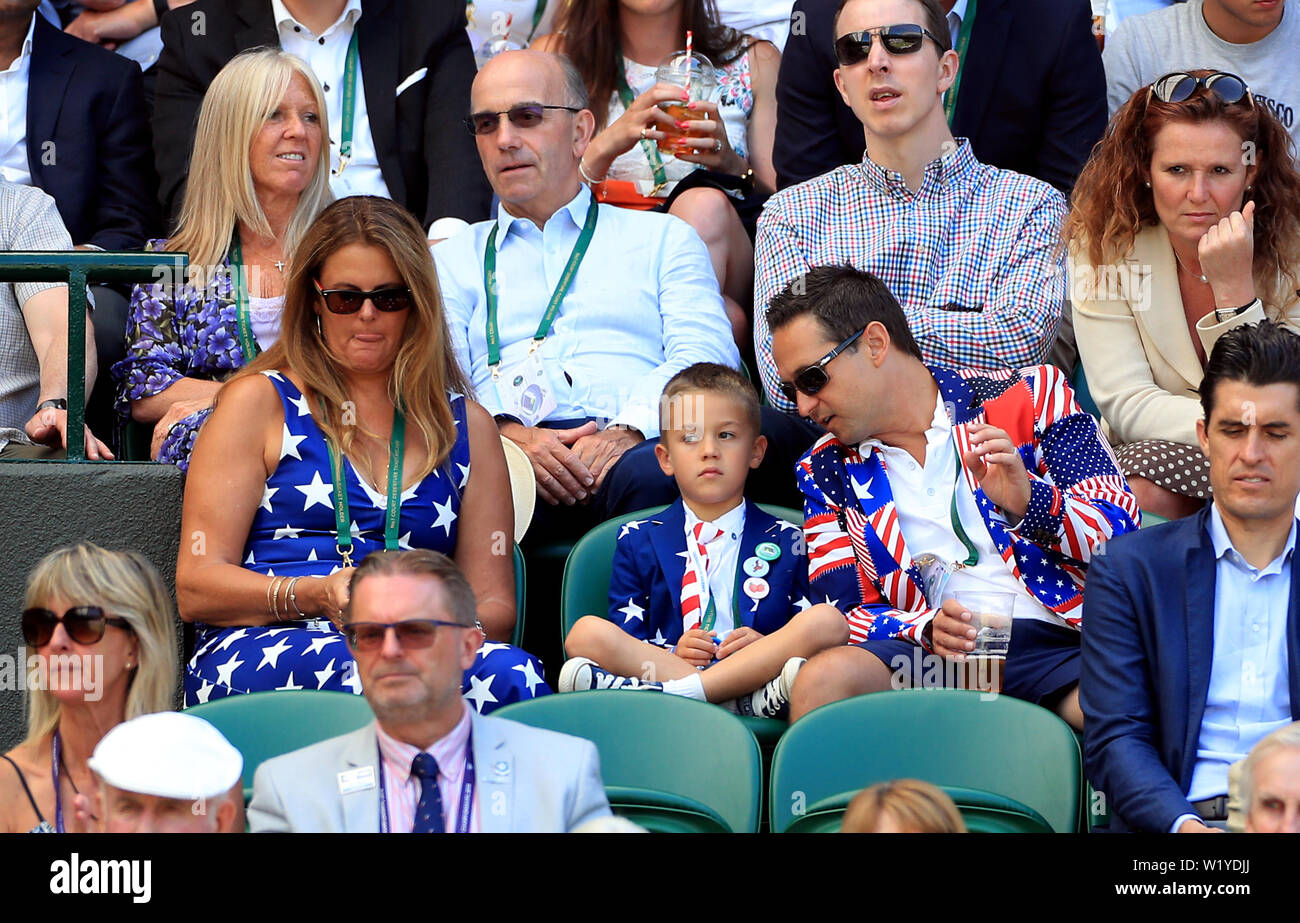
88 141
649 562
1147 651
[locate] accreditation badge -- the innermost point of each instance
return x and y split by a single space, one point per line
524 391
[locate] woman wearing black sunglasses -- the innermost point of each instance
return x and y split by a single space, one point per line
99 628
720 173
352 433
1185 223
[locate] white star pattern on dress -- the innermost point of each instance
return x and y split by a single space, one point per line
289 444
480 691
301 403
316 492
464 475
201 694
230 639
446 517
490 646
287 532
311 555
249 560
634 524
322 676
404 542
317 644
272 654
226 669
288 685
531 679
267 494
632 611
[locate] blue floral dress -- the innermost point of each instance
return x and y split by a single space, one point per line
175 332
292 534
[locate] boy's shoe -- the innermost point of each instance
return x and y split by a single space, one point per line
773 699
579 673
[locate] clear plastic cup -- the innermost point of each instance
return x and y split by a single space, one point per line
694 73
992 616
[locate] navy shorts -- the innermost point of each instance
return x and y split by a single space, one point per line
1042 662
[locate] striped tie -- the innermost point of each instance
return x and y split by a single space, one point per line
428 813
692 605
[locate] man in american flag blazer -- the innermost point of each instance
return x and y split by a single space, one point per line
999 475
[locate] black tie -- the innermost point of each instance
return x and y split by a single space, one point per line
428 813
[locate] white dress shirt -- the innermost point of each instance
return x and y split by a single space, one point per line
643 306
13 115
327 54
955 17
724 558
923 501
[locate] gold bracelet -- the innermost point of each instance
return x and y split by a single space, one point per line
582 171
275 598
268 596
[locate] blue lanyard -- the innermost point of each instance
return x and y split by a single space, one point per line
56 749
466 791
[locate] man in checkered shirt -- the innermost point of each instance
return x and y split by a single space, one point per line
970 251
998 479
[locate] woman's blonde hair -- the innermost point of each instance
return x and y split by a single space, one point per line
425 368
126 586
915 806
219 190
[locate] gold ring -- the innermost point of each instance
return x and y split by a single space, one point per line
643 128
717 145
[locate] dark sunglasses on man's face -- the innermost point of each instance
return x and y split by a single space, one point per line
411 633
349 300
904 38
529 115
812 379
84 624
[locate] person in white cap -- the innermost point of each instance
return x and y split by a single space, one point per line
168 772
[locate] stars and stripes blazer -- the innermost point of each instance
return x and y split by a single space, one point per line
650 560
859 560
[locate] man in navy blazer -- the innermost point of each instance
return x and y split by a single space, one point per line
1032 96
1193 643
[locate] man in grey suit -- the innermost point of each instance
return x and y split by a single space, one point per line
428 764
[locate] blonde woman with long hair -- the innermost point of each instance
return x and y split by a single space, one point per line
353 433
258 176
100 626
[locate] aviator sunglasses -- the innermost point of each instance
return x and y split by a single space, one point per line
528 115
349 300
84 624
812 379
1178 87
904 38
411 633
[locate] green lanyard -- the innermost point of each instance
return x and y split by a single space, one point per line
963 39
972 553
553 306
239 283
649 147
711 611
349 102
342 516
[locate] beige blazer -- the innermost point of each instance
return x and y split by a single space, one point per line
1142 367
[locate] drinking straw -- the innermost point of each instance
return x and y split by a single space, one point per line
688 61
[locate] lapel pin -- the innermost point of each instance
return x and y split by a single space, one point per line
756 567
768 551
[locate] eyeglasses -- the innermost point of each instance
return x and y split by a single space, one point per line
349 300
528 115
904 38
412 633
1178 87
84 624
812 379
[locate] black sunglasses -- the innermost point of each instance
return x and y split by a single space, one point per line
812 379
1178 87
904 38
412 633
84 624
349 300
528 115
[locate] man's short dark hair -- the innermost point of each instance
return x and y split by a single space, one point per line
456 591
935 20
713 378
1260 354
843 300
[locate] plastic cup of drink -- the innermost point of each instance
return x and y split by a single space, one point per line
694 73
992 616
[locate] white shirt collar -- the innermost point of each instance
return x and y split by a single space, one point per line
576 207
351 13
732 521
958 10
940 421
1223 543
26 53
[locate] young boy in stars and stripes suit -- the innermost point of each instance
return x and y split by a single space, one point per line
708 599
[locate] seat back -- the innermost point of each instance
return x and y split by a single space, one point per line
261 725
659 754
951 738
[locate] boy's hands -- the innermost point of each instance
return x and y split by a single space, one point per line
740 637
696 647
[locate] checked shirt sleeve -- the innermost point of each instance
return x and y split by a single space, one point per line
1078 499
777 260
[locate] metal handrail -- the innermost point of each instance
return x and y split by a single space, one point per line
77 268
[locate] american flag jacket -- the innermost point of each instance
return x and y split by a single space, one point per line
859 560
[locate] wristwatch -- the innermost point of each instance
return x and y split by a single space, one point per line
57 403
1226 314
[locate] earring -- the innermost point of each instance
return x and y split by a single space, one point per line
1248 188
319 332
1147 184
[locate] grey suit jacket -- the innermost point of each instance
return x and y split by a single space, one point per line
529 781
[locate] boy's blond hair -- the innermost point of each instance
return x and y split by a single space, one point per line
709 377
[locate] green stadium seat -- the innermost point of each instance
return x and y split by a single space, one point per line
521 596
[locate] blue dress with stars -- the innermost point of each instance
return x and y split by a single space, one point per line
292 535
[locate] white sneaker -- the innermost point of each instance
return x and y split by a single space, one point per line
581 673
773 699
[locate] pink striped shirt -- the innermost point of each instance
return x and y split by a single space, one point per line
402 789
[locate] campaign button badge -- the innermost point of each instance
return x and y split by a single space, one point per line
756 567
756 588
768 551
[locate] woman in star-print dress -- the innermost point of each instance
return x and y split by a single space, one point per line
260 505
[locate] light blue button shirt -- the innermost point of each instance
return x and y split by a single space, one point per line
643 306
1249 695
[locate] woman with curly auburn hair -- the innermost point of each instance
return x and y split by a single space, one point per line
1185 223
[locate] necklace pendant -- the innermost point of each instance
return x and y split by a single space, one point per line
279 264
